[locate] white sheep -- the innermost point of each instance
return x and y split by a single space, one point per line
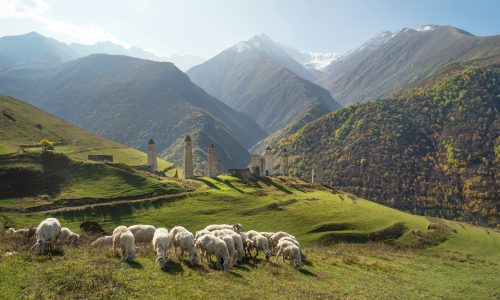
67 237
295 242
236 227
184 240
47 234
247 243
267 235
291 252
9 230
25 234
103 242
277 236
143 233
228 239
260 243
202 232
212 245
123 238
161 243
238 243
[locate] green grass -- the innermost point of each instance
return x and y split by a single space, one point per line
53 177
465 265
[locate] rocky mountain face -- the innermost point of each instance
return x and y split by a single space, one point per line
132 100
258 78
432 149
391 61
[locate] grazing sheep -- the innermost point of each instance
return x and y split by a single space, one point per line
236 227
184 240
251 233
161 243
267 235
201 233
247 243
67 237
9 230
212 245
124 238
103 242
228 239
295 242
143 233
47 234
260 243
25 234
238 243
277 236
291 252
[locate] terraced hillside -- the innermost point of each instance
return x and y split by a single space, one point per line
419 260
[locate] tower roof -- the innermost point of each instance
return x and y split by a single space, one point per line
151 142
187 138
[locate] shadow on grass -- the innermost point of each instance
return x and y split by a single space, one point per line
277 186
134 265
172 267
307 273
208 183
232 273
229 184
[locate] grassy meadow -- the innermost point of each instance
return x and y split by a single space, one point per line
454 260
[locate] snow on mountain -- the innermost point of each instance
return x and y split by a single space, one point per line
425 28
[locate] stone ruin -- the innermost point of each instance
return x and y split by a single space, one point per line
98 157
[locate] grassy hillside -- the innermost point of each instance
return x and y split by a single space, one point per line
23 126
408 258
433 150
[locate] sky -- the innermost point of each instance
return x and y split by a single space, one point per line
206 27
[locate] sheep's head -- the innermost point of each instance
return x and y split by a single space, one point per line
268 254
129 257
298 263
226 264
162 261
238 228
193 257
41 246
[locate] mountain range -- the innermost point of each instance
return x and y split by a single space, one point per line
391 61
34 51
131 100
260 79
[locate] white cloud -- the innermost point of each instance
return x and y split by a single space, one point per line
37 10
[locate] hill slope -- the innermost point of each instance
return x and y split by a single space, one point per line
391 61
132 100
351 271
258 78
433 150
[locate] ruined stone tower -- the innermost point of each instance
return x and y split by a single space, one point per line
268 162
284 162
255 168
152 163
211 163
187 166
218 167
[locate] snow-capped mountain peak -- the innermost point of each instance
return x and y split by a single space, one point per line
425 28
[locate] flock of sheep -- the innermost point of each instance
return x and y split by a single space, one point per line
228 243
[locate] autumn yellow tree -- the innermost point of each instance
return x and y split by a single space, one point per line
46 143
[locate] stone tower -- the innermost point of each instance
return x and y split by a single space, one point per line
218 167
211 163
152 163
268 162
284 162
187 166
255 168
